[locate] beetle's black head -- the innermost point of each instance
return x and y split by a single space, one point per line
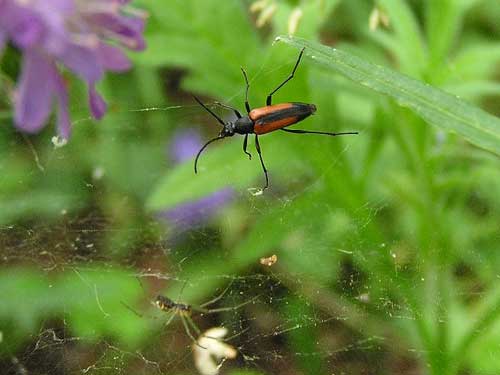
227 130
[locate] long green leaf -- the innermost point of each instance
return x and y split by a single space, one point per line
432 104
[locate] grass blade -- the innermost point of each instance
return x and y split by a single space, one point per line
432 104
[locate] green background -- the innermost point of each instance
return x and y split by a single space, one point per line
388 242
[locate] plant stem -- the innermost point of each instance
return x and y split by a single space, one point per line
488 314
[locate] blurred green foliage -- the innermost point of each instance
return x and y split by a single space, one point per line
90 299
394 233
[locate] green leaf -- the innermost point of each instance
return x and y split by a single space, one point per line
23 288
484 356
90 300
474 89
477 61
94 304
304 339
38 203
432 104
410 46
443 19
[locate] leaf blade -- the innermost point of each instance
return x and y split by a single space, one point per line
432 104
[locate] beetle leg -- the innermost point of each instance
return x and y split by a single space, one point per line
236 112
247 106
269 97
298 131
245 141
257 146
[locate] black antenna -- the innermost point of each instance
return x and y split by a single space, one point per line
201 150
209 111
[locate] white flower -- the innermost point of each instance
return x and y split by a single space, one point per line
210 352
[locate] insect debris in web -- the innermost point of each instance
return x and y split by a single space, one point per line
185 311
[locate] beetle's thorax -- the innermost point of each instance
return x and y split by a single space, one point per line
243 125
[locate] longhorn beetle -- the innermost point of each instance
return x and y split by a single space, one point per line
263 120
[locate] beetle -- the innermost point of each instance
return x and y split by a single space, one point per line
263 120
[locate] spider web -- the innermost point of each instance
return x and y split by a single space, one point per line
286 307
259 330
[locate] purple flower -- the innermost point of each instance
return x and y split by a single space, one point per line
184 147
72 33
194 213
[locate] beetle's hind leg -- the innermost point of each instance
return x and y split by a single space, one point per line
270 96
299 131
245 142
247 105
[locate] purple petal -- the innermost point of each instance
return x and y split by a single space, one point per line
63 121
56 7
55 14
73 33
190 214
185 145
23 25
127 30
34 97
28 34
112 58
98 106
83 61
